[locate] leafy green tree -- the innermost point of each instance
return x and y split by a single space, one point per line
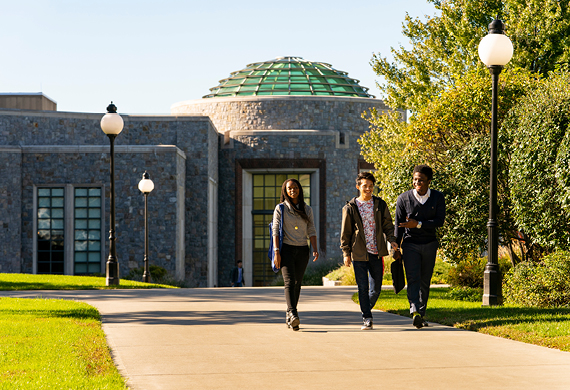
444 46
539 169
451 133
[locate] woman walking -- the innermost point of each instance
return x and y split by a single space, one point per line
293 258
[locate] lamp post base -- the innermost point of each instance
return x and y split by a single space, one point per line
112 272
492 291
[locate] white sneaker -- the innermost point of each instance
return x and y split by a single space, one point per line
367 324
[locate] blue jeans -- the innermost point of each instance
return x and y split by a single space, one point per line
419 260
369 276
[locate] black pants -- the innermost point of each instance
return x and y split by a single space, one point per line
294 260
419 260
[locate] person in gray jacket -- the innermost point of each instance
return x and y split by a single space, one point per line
366 225
293 258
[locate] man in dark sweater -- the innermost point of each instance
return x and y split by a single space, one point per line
419 212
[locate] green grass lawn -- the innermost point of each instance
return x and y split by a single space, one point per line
54 344
65 282
545 327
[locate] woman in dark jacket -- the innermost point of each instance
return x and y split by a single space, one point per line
293 258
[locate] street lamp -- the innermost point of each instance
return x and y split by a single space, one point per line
112 125
495 50
146 186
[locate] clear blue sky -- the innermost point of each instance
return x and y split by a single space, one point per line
147 55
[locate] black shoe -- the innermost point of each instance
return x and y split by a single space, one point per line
418 321
288 319
424 323
294 322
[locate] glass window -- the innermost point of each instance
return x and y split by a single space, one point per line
50 223
87 235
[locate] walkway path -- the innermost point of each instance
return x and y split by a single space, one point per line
236 338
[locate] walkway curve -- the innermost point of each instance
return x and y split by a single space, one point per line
236 338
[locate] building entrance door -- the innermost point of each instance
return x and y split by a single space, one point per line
266 195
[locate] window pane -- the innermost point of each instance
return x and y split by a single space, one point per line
94 224
94 234
56 202
57 192
80 245
80 257
44 223
80 213
43 213
57 223
80 202
81 192
94 268
94 245
95 202
94 257
81 234
94 213
81 224
57 213
44 192
95 192
81 268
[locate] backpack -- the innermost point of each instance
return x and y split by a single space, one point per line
271 252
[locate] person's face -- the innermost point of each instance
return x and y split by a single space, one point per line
421 183
365 187
239 264
292 190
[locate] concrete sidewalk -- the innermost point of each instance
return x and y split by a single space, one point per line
236 338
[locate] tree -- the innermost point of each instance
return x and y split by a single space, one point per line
539 169
451 133
444 46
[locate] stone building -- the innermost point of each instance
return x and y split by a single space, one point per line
217 163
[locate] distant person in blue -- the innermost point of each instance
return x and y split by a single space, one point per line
237 275
419 212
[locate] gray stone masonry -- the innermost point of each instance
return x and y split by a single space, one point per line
38 148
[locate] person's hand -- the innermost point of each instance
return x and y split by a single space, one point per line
397 255
277 260
315 255
410 224
347 261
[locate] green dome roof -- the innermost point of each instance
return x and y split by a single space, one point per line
289 76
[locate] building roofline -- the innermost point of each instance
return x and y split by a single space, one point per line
27 94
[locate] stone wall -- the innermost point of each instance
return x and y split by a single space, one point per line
70 148
282 112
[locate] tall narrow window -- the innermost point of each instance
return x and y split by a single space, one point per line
50 231
87 235
266 195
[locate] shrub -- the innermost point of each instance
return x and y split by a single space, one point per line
158 275
314 273
470 271
544 284
344 274
461 293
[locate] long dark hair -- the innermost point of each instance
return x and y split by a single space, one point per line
285 197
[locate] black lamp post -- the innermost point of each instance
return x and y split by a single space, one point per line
495 50
112 125
146 186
